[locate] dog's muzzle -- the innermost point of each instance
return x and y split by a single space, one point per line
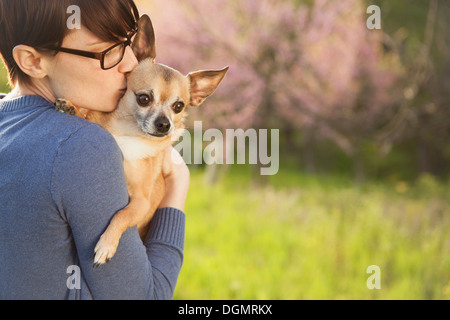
162 125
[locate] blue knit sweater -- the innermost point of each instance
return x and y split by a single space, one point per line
61 181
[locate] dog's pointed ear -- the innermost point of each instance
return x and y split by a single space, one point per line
144 43
204 83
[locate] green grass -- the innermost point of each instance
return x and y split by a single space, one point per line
312 237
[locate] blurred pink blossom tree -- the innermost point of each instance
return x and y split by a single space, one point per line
310 68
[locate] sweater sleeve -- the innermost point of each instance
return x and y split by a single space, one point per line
89 187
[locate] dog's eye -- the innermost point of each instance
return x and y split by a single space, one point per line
144 99
178 107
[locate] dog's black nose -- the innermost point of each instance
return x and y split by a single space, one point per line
162 125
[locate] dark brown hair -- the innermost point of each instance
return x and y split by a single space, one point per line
42 23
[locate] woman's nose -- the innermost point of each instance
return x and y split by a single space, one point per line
129 61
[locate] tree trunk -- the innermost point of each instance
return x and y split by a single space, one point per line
309 150
359 168
423 157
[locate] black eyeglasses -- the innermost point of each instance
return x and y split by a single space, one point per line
109 58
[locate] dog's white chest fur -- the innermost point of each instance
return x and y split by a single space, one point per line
134 148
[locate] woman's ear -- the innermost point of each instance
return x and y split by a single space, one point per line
29 61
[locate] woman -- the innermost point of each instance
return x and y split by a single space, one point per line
61 177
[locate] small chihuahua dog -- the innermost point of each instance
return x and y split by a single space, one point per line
148 118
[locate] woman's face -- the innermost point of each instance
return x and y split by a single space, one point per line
81 80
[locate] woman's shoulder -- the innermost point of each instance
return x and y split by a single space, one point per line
78 139
87 153
86 138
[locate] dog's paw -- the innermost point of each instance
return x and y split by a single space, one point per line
105 249
65 106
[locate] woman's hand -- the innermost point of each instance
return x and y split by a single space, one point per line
177 178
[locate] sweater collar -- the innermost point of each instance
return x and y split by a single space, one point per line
22 103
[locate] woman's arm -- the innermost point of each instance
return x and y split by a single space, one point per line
177 179
89 187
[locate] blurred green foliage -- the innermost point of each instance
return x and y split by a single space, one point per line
4 87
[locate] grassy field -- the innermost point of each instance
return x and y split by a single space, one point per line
312 237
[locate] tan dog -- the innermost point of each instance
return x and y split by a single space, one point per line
148 118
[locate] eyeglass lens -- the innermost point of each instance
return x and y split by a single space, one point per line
114 56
